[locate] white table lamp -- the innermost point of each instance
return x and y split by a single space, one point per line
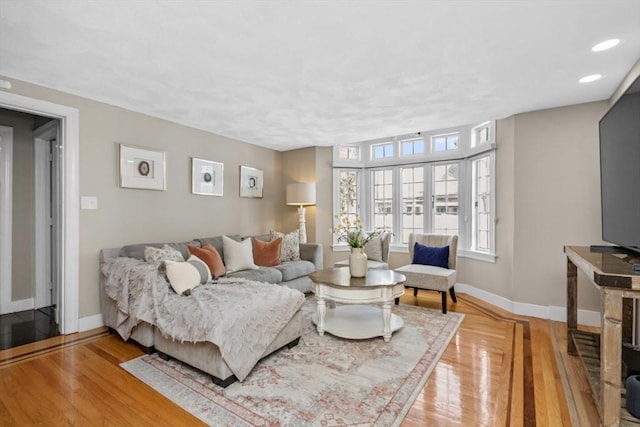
301 195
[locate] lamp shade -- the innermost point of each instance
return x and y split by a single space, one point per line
301 194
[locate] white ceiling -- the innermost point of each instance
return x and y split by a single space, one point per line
291 74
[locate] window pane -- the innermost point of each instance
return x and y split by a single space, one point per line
445 199
348 192
412 201
354 153
407 149
445 142
481 170
418 147
383 199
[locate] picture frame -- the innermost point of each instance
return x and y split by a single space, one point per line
207 177
251 182
142 168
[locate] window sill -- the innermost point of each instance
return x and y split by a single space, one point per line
478 256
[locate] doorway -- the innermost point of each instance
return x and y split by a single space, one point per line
30 232
68 242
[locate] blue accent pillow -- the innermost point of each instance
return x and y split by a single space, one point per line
428 255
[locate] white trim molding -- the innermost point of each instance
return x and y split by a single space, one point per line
69 137
559 314
6 203
19 305
90 322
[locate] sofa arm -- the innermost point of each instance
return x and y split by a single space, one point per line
312 252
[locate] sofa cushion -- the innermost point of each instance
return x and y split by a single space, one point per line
158 255
137 251
266 254
293 269
261 274
238 255
216 242
211 257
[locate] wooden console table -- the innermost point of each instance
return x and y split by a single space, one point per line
601 354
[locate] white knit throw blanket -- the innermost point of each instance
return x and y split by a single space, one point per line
241 317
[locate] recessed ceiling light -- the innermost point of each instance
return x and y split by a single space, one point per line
590 78
607 44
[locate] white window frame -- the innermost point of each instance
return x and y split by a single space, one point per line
464 155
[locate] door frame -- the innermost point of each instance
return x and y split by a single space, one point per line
6 216
42 207
70 258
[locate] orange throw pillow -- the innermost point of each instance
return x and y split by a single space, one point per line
211 257
266 254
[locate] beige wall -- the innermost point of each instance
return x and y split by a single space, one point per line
23 235
134 216
557 194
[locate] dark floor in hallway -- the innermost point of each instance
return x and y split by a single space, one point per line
27 326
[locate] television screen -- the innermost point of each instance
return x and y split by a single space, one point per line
620 170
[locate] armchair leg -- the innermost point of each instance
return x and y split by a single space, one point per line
444 302
452 292
397 301
415 292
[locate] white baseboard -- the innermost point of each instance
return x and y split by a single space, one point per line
585 317
90 322
20 305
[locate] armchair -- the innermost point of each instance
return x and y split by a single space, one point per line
431 277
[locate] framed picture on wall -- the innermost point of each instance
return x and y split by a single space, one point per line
206 177
251 182
142 168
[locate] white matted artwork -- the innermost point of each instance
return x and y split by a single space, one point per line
142 168
206 177
251 182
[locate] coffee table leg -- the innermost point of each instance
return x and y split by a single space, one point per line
322 309
386 318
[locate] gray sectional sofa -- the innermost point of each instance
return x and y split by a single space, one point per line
205 355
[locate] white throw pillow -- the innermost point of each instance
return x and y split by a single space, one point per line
237 255
182 276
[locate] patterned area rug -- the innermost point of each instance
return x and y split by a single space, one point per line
323 381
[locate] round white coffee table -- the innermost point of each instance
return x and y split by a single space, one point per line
356 320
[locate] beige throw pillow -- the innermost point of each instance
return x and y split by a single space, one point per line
167 253
237 255
290 249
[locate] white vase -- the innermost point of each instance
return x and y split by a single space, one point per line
357 262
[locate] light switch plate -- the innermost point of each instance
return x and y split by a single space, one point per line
88 202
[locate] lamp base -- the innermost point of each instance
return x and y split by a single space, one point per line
302 227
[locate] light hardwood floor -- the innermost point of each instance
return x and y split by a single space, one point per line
498 370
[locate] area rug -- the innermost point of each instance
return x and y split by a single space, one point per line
323 381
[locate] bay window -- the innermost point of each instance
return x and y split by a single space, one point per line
444 186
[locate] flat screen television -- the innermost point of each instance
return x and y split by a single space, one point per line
620 170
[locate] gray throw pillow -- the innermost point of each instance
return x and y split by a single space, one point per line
373 249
